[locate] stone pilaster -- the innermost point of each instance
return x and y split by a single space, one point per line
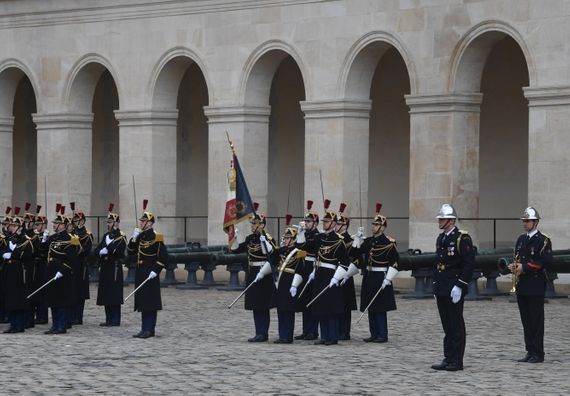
65 159
6 145
248 128
444 161
147 152
549 159
336 147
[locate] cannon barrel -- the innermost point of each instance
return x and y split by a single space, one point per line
226 259
196 247
191 257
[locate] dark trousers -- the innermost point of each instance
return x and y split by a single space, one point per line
286 324
329 327
77 312
378 323
344 324
40 311
261 320
113 314
451 316
59 318
17 319
148 320
532 316
310 323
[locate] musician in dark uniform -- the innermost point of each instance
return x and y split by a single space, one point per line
63 248
111 252
17 264
261 250
291 268
342 222
328 273
533 254
305 241
38 300
80 270
380 270
454 267
151 257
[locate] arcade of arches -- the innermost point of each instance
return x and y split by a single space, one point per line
380 113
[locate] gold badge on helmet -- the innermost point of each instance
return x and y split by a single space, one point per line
329 214
378 218
112 217
311 215
341 218
290 232
257 218
146 216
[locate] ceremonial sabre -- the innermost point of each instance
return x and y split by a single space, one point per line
141 285
318 295
241 294
304 288
371 301
41 287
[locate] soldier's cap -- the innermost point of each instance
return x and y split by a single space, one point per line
6 219
329 214
378 218
112 217
76 214
147 215
530 213
29 216
341 217
446 212
40 219
60 218
290 232
257 218
311 215
17 219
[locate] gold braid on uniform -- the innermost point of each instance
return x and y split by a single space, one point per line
147 244
329 248
254 251
381 250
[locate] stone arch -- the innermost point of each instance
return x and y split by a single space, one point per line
260 68
82 81
11 73
470 55
360 64
167 75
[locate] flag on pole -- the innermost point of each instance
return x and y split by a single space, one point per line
239 205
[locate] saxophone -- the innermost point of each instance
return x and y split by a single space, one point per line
515 278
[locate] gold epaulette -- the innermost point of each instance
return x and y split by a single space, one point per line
391 239
545 236
74 241
463 232
159 237
268 236
339 235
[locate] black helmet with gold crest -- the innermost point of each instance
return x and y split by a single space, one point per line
329 214
112 217
40 219
17 219
147 215
311 215
29 216
77 215
378 218
341 217
257 218
6 218
60 217
290 232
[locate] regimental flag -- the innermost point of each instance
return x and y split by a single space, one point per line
239 205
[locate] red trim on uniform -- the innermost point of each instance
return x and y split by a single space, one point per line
534 266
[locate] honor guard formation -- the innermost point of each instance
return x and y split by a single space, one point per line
41 270
310 271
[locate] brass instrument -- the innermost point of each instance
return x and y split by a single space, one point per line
514 278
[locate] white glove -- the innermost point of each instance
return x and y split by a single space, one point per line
357 241
152 275
293 291
108 240
58 275
265 246
7 256
103 251
12 245
455 294
386 283
344 280
258 277
45 236
360 232
311 277
301 233
334 282
136 233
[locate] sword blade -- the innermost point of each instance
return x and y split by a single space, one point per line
369 304
241 294
134 291
41 287
318 295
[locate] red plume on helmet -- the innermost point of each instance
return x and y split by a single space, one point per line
38 208
111 206
378 207
17 210
327 203
145 203
57 207
342 207
8 210
309 204
62 210
27 206
288 218
255 206
72 206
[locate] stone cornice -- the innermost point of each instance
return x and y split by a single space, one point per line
6 124
142 118
547 96
136 10
230 114
337 109
63 121
445 103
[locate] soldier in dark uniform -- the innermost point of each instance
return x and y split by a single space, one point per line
151 257
17 263
533 254
454 267
328 272
111 251
63 248
4 234
291 269
80 270
30 231
380 270
305 241
38 300
260 298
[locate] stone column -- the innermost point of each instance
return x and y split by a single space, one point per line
6 171
147 151
65 160
249 130
444 162
549 159
336 146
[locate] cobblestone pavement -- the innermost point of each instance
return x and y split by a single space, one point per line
201 347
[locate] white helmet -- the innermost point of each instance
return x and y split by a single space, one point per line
530 213
446 212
